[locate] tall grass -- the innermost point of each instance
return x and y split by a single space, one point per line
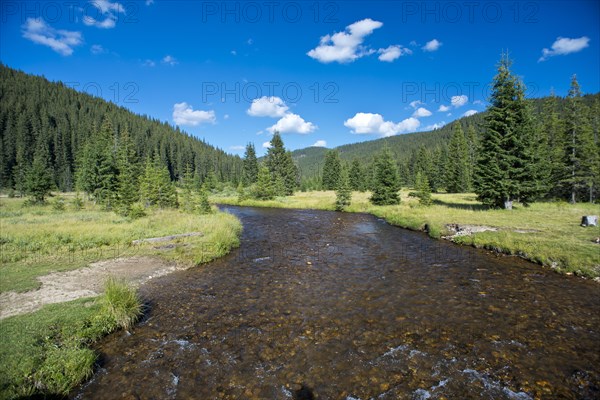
545 233
37 240
47 352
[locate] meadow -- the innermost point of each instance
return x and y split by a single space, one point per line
48 352
547 233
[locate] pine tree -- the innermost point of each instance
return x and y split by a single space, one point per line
188 201
386 182
250 166
581 151
282 169
38 179
472 138
356 176
502 175
422 163
156 187
127 191
331 170
203 204
423 189
457 167
264 185
241 193
343 193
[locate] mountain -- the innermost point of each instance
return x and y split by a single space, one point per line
35 111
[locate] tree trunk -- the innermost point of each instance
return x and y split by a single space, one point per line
508 204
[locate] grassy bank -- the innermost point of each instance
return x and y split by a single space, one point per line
545 233
41 239
47 352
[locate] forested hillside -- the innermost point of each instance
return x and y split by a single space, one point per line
38 114
405 148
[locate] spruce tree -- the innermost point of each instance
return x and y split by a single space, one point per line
472 138
581 150
188 200
250 166
386 182
203 204
356 176
156 187
343 193
423 189
502 174
264 185
331 170
38 179
282 169
127 191
457 167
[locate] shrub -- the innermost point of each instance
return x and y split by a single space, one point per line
121 303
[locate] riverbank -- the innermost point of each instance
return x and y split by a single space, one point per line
544 233
64 256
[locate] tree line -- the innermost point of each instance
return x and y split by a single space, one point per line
61 125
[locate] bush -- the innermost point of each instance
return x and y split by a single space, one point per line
136 210
58 203
77 203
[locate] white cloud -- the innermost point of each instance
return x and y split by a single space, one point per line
292 123
226 116
415 103
149 2
61 41
233 52
392 52
468 113
432 45
344 47
108 10
368 123
563 46
267 107
443 108
437 125
320 143
478 102
459 101
250 42
170 60
184 114
237 148
97 49
148 63
421 112
266 145
413 43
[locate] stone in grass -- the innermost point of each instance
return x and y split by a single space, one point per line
589 220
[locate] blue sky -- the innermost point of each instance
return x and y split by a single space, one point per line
323 73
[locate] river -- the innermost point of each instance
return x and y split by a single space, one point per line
325 305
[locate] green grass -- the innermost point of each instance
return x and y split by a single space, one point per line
47 352
37 240
557 239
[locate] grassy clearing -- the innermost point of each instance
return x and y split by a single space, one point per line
38 240
47 352
545 233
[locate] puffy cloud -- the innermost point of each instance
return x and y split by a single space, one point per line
184 114
320 143
149 2
469 113
432 45
563 46
459 101
266 145
108 10
148 63
59 40
344 47
443 108
170 60
267 107
390 53
437 125
415 103
292 123
368 123
421 112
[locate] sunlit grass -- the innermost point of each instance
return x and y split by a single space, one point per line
37 240
545 233
47 352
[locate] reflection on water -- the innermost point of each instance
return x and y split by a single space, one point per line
323 305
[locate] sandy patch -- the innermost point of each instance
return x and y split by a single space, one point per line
59 287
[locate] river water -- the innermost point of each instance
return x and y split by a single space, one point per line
324 305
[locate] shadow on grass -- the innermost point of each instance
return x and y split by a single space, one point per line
461 206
